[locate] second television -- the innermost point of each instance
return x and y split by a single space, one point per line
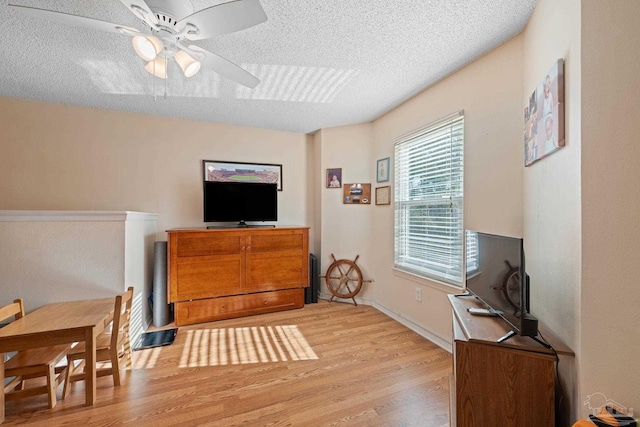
496 276
240 202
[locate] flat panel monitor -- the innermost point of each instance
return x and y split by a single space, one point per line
240 202
496 275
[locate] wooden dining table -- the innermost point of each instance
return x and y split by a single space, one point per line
59 323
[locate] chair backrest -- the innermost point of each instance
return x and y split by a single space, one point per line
15 309
121 319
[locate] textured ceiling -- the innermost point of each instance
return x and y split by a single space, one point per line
321 63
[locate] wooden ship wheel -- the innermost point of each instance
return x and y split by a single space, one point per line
344 279
511 287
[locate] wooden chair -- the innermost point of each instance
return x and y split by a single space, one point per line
33 363
111 346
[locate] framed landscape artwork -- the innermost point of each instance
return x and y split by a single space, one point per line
215 170
544 116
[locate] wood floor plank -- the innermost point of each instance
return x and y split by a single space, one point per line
328 364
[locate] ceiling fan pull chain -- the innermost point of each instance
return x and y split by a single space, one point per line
155 97
166 70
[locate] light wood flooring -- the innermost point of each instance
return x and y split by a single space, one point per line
328 364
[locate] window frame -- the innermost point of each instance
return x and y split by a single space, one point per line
432 210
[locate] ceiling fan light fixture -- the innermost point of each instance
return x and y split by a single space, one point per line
147 47
189 66
157 67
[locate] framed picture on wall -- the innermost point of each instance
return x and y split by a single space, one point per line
356 194
334 178
382 170
383 195
544 116
215 170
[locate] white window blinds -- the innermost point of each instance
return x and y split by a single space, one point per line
429 201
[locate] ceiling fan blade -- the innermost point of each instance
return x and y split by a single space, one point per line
141 9
224 18
226 68
75 20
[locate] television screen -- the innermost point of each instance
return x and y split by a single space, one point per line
495 266
240 201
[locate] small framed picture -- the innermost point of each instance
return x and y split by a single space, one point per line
356 194
383 195
334 178
382 169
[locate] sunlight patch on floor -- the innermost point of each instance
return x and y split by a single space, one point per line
233 346
146 359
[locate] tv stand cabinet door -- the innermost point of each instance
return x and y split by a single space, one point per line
500 386
206 265
277 259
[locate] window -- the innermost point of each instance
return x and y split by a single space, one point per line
429 201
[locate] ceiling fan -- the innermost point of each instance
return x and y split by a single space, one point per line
167 24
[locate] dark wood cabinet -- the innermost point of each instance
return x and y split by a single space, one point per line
500 384
224 273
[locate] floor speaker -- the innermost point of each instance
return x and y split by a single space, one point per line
311 293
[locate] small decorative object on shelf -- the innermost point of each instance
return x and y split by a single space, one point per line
344 285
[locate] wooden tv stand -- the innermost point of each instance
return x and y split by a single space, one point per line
224 273
500 384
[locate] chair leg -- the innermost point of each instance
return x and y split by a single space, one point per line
51 386
115 367
71 369
67 379
127 353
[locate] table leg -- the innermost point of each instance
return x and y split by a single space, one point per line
90 367
2 393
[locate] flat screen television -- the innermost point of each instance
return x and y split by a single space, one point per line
496 276
240 202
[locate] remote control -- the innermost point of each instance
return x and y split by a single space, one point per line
482 311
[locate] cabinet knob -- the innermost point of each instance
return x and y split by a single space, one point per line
248 248
242 248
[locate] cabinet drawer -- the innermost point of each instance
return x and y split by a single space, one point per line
276 270
207 310
205 277
277 242
208 245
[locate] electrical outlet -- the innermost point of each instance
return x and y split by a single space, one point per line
418 294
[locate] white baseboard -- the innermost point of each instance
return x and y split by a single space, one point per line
360 301
425 333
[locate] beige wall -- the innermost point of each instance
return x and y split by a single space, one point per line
610 298
580 213
50 257
552 209
489 91
346 229
63 157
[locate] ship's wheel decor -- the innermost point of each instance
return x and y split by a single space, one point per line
344 278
